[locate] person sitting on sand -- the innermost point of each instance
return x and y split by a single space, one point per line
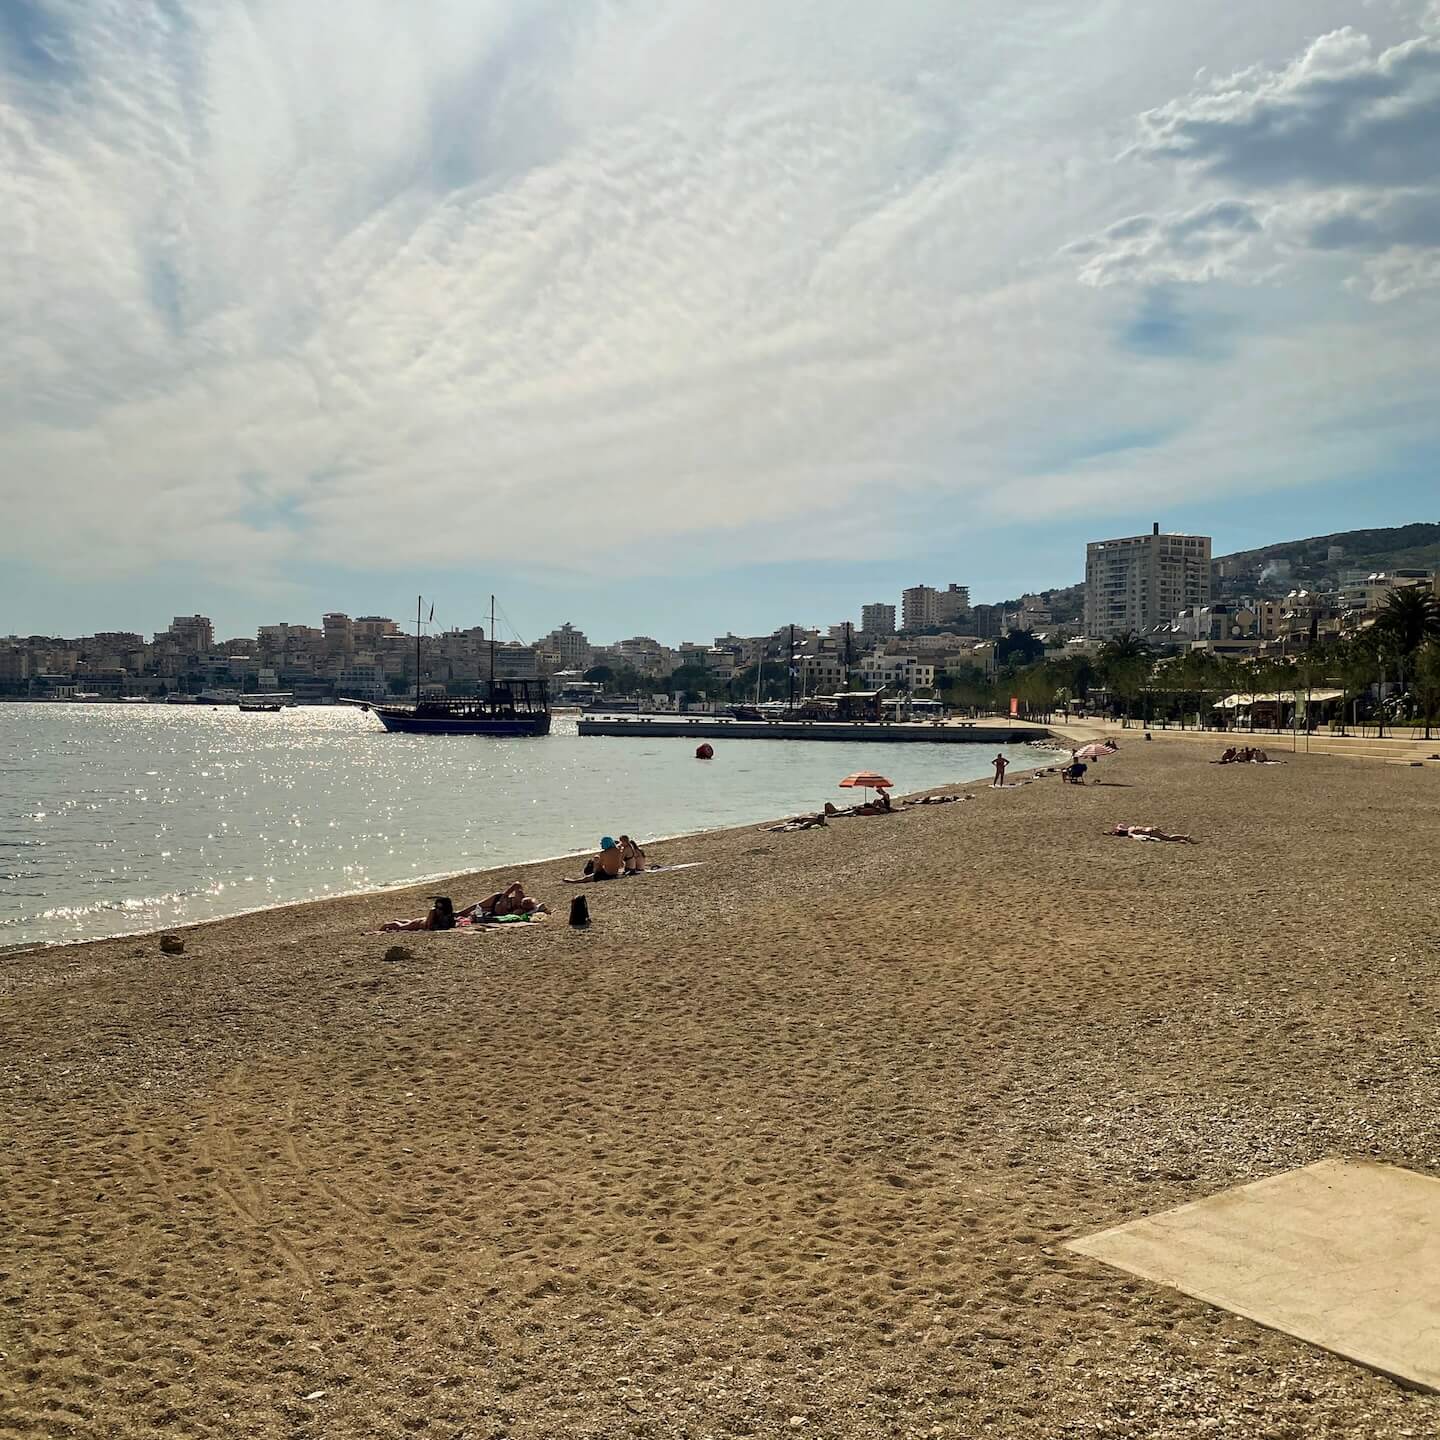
1230 756
609 864
1149 832
441 917
632 855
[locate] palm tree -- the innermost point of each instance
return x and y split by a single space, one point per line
1128 646
1125 662
1411 617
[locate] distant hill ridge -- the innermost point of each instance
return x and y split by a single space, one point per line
1401 547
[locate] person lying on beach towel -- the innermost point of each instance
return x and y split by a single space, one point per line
512 900
796 822
936 799
441 917
494 922
1149 832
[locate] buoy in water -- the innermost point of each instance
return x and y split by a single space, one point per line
705 752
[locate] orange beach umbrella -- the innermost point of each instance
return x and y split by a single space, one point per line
866 780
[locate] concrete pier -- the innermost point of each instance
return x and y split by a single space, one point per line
709 727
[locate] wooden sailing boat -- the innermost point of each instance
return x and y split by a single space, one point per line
508 707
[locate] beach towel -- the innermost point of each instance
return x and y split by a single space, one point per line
632 874
507 922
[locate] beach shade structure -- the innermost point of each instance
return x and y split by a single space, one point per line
866 780
1094 752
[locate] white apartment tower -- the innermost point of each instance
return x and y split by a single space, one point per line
1142 581
877 619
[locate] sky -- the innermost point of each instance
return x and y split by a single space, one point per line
676 320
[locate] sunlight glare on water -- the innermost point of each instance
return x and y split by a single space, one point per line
117 818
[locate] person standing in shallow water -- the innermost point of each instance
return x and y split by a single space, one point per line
1001 764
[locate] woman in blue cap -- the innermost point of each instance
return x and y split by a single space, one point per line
609 864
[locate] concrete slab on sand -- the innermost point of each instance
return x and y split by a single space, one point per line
1344 1254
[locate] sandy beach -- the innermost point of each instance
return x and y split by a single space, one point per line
785 1143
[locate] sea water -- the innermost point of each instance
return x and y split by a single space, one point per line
118 818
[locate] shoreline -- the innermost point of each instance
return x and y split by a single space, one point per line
790 1142
421 882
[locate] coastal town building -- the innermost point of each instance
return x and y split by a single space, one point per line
339 633
877 619
919 607
1141 582
906 673
367 629
193 634
1369 591
565 649
987 622
640 653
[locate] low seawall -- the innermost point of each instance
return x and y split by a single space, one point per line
706 728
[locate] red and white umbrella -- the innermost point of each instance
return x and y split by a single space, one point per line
866 780
1094 752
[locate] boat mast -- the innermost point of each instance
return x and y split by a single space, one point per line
492 649
790 666
418 599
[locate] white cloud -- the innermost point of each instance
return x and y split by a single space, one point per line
1344 144
591 284
1204 243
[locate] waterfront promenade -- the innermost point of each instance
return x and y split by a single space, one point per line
788 1143
990 731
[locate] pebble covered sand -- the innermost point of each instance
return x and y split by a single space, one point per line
785 1144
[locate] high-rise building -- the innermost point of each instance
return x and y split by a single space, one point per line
923 606
367 629
1141 581
987 621
952 603
339 631
193 634
877 619
919 607
567 648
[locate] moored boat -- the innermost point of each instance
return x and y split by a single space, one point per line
509 707
506 707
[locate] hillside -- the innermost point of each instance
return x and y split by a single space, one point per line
1310 563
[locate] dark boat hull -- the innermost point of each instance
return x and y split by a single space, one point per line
407 722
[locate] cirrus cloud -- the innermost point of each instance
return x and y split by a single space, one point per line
597 287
